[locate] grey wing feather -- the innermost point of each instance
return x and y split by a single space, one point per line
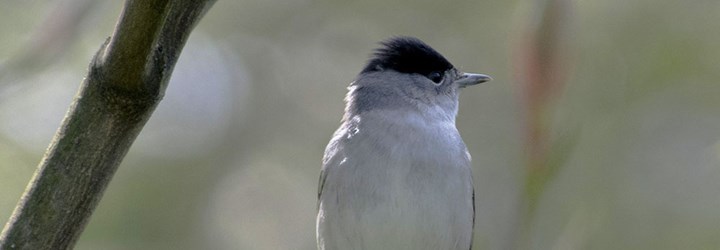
473 218
327 161
321 183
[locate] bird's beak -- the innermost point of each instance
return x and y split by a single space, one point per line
469 79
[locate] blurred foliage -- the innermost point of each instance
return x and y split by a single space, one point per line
231 157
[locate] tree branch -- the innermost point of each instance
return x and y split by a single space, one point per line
135 33
125 82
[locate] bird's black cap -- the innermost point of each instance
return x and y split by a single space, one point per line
407 55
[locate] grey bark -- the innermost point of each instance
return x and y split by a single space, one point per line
125 82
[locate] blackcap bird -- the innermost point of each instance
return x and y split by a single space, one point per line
396 174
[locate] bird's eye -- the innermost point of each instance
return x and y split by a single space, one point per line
436 77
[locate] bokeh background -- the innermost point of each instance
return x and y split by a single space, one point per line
600 130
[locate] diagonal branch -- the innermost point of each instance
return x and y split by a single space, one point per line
124 84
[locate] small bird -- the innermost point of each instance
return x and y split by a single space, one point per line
396 174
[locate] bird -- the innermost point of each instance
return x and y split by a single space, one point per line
396 173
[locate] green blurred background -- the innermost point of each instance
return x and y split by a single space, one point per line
624 95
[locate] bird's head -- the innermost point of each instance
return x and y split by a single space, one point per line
406 72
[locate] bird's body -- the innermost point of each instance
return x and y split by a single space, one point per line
396 174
